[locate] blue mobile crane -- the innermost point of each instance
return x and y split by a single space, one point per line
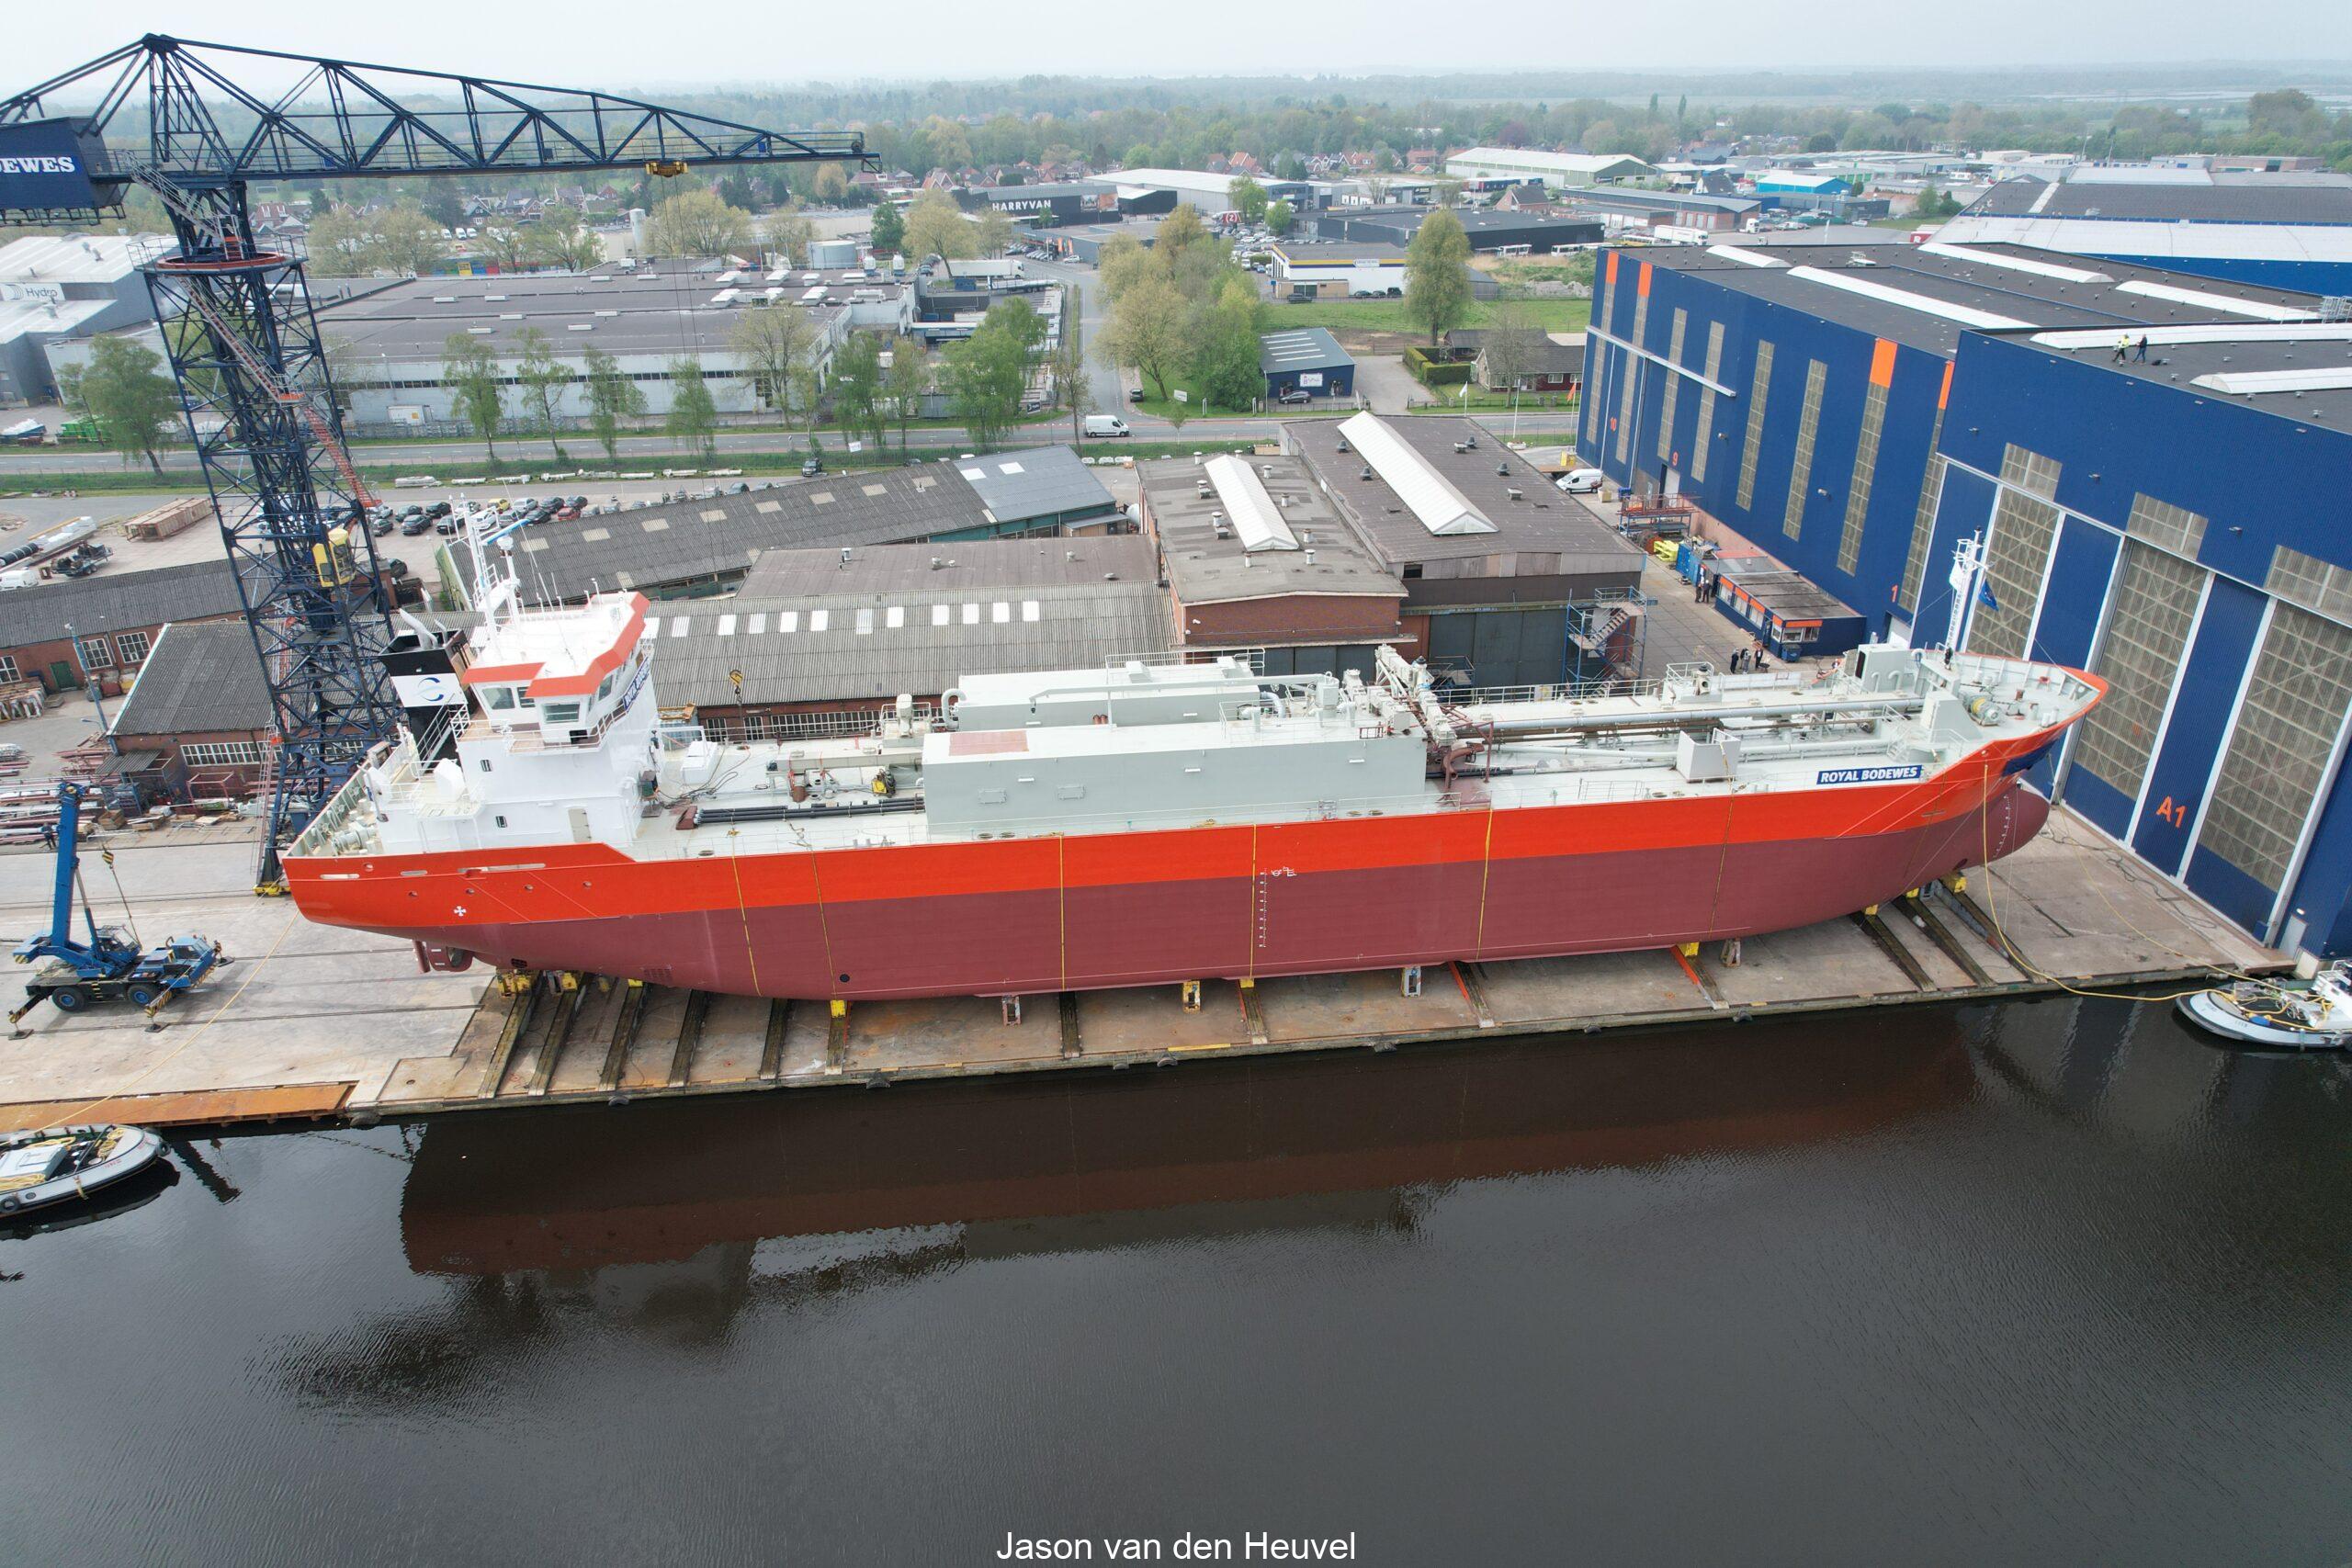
110 965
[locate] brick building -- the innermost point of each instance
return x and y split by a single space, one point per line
117 617
199 717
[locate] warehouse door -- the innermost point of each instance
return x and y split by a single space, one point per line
2279 755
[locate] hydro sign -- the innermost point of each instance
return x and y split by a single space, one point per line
42 169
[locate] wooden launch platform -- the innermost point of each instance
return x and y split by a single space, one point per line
316 1023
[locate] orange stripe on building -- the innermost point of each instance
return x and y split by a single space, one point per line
1612 267
1642 284
1882 363
1943 396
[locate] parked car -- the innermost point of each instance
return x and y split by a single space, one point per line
579 502
812 467
1579 481
566 512
382 523
1302 297
439 508
412 526
1134 394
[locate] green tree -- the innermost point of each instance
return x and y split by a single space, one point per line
993 230
1290 167
1514 344
693 419
1437 275
562 238
989 373
337 244
829 185
543 377
503 243
611 398
790 233
1073 378
908 380
1181 227
774 342
889 228
935 226
1225 356
1248 199
123 392
403 241
1279 217
857 388
470 373
1124 261
696 223
1147 331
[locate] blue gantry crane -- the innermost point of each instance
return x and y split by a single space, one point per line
175 115
110 965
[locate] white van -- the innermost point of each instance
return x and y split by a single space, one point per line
1106 425
1580 482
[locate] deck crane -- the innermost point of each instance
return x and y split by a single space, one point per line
187 122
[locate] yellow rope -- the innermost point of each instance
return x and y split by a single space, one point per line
2016 955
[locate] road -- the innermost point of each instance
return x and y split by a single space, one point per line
1106 395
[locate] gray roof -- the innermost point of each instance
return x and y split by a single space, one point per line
1550 357
859 656
687 541
2177 198
1301 348
199 677
2178 367
1038 481
1541 533
1586 197
977 565
1205 570
670 311
1975 280
122 600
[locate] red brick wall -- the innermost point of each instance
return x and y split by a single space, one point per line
1291 619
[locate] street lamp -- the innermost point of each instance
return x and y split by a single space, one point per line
90 682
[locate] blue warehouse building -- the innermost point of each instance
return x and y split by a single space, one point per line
2182 528
2178 524
2291 230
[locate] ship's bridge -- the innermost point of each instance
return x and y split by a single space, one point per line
565 673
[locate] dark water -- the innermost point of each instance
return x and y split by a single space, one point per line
2050 1282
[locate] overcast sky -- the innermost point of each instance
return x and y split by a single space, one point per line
591 44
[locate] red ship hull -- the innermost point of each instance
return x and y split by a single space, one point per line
1050 913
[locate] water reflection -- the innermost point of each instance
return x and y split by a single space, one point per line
1122 1158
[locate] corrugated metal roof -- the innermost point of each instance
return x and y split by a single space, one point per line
118 601
848 647
720 536
1303 348
1039 481
199 677
961 566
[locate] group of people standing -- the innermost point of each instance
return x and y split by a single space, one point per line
1754 657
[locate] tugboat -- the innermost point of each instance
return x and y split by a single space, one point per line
60 1165
2292 1015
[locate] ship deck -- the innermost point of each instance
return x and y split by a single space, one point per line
317 1023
